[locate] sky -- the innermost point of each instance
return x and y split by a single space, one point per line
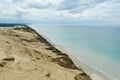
60 11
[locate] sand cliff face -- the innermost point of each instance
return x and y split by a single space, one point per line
25 55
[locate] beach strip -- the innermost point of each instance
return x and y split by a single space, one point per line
93 72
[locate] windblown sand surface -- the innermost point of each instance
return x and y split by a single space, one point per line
25 55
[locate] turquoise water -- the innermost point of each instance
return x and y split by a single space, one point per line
96 46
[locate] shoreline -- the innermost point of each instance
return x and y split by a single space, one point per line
91 71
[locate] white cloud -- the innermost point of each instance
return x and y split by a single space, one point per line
59 9
102 10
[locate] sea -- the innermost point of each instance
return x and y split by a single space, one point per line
97 46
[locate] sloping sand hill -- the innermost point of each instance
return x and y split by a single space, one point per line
25 55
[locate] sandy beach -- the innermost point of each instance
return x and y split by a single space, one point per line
26 55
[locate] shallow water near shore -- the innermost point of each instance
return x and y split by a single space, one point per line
96 46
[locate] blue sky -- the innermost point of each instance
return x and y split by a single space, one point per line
60 11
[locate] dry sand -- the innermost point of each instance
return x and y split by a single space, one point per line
25 55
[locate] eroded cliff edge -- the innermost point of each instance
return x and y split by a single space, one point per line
26 55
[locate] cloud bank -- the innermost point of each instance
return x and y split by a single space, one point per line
56 11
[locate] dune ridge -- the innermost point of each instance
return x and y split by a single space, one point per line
26 55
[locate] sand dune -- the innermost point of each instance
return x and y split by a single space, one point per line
25 55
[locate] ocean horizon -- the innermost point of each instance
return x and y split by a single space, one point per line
96 46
